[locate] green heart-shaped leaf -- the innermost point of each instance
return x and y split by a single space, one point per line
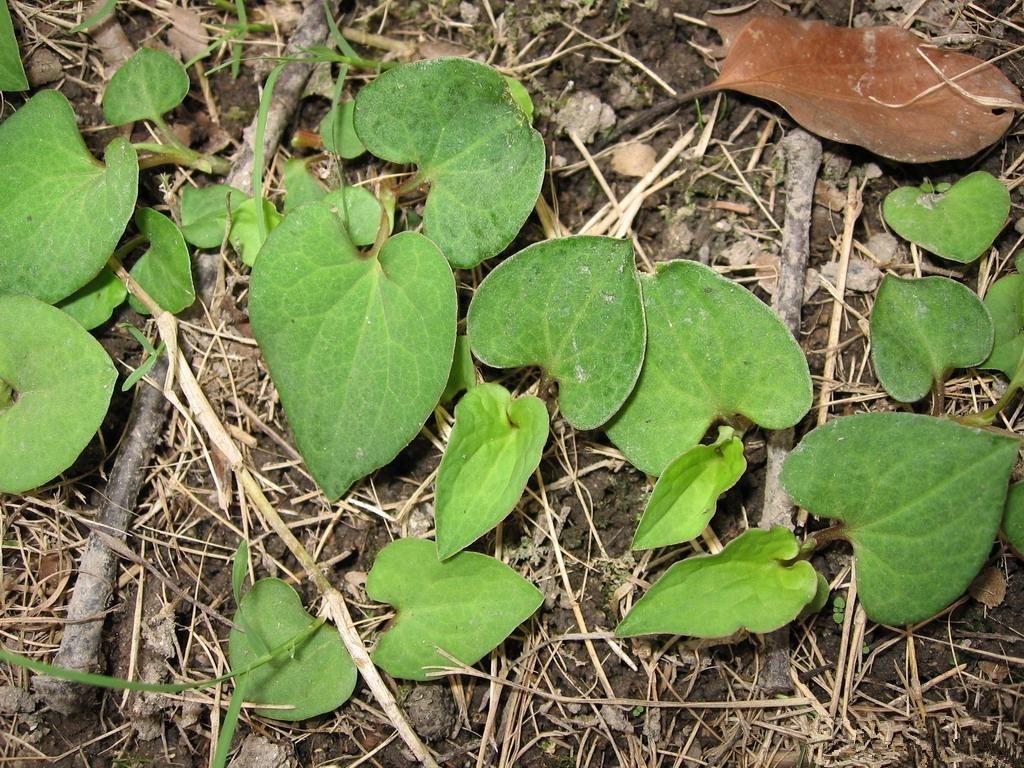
463 374
165 270
920 499
495 446
686 494
94 303
12 73
338 131
61 212
748 585
206 213
359 347
147 86
316 676
1013 517
361 212
1005 303
573 307
958 224
713 351
300 185
465 605
55 386
921 330
456 121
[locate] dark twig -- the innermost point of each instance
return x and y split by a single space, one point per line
94 586
802 153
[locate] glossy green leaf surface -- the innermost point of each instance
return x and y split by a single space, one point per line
358 347
573 307
959 224
495 446
316 676
244 234
147 86
362 213
61 212
300 185
748 585
55 385
339 133
713 351
1005 303
685 496
466 605
921 330
12 73
463 373
94 303
457 122
919 498
1013 517
205 213
165 270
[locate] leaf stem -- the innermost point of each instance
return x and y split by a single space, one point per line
819 539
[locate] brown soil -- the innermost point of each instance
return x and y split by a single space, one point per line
944 694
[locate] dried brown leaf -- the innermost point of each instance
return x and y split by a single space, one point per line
989 587
880 88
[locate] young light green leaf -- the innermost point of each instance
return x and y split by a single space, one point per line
921 330
462 375
1005 303
244 234
363 364
147 86
93 304
316 677
573 307
748 585
362 213
55 385
456 120
919 498
713 351
339 133
495 446
1013 517
300 185
12 73
520 96
957 224
820 598
165 270
206 213
465 605
61 212
685 496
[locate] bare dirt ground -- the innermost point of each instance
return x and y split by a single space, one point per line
560 692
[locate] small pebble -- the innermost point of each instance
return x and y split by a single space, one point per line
43 67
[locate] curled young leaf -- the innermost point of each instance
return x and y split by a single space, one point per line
94 303
751 584
685 496
880 88
713 351
1005 302
959 223
573 307
465 605
165 270
921 330
919 498
61 212
55 385
495 446
457 122
339 133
